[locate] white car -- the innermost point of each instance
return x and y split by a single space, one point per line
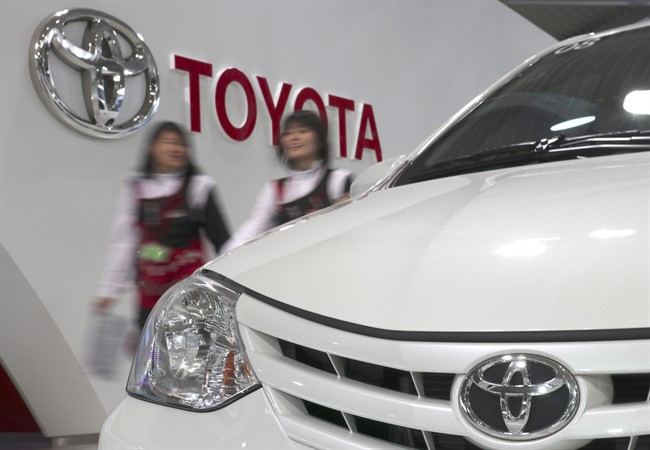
490 291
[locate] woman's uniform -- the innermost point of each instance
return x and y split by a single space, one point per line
163 223
288 198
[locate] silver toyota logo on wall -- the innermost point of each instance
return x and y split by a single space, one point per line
107 55
519 397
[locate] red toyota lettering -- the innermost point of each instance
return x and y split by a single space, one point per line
343 105
195 68
246 129
275 109
364 143
306 94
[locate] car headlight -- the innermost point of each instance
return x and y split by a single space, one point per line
190 354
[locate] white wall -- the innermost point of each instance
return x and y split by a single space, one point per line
415 62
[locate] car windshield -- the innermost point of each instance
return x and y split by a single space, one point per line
600 85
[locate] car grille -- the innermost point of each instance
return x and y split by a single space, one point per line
433 385
331 388
627 389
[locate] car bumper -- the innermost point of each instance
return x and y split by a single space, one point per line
248 423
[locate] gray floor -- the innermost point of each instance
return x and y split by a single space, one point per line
34 441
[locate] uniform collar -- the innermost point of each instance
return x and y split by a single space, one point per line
318 165
169 176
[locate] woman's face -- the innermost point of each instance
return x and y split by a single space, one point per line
168 153
300 146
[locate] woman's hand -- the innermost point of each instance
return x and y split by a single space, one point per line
103 304
342 199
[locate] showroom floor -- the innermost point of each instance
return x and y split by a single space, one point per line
34 441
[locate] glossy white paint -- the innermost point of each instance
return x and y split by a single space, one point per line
372 175
557 239
246 424
550 247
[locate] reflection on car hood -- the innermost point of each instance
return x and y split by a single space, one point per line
564 243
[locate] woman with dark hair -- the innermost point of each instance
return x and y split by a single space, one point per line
310 186
165 215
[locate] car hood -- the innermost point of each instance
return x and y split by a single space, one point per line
558 246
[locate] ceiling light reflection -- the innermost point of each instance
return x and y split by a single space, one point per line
524 248
573 123
287 226
608 234
637 102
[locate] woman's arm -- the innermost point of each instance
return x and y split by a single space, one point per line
259 221
338 186
119 266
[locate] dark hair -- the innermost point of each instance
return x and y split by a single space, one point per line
146 167
311 120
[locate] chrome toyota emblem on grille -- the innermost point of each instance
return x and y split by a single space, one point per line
109 53
519 397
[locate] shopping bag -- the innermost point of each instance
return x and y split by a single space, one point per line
107 336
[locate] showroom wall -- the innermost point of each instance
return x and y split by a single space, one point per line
388 73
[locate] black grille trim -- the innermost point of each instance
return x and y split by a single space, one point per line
435 336
631 388
434 385
394 434
438 385
329 415
380 376
313 358
643 443
449 442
